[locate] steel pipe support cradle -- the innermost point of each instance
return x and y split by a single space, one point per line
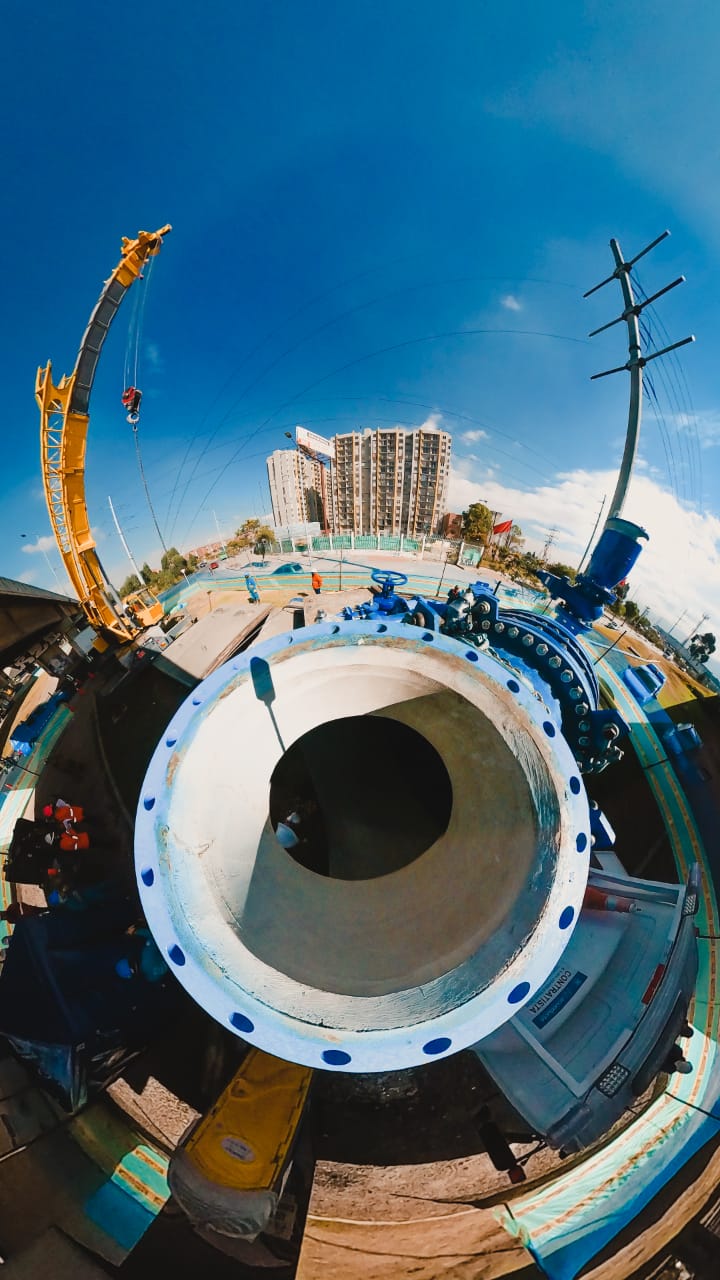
391 969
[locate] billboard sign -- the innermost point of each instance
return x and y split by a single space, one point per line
315 444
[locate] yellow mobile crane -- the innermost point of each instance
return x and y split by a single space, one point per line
64 410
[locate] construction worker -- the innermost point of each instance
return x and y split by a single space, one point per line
70 840
316 582
64 813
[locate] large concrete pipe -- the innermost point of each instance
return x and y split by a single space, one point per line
440 869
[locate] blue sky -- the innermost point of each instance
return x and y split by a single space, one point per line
344 179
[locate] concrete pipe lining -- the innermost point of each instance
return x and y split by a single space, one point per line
373 967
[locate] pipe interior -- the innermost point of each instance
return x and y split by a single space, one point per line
438 865
365 795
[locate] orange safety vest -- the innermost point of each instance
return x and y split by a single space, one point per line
316 580
69 813
70 841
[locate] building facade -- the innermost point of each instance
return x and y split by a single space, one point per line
390 482
296 486
451 526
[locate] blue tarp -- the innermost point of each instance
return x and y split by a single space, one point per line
26 734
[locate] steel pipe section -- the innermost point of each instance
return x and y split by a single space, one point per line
397 968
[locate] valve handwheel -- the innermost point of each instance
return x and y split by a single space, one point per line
388 578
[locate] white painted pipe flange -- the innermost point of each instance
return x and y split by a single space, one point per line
393 970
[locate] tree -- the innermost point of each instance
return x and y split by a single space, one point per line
528 564
264 540
246 535
131 583
477 523
172 559
632 612
701 647
147 574
561 570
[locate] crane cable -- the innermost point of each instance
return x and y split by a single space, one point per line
135 329
141 469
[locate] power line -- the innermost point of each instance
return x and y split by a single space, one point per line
396 346
371 302
334 320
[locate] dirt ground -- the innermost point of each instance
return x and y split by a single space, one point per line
678 688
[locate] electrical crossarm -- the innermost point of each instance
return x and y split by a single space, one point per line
64 409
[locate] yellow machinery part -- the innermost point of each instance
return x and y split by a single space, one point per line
64 410
145 606
244 1141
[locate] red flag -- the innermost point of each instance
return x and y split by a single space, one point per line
504 527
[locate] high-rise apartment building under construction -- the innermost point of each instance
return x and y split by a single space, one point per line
390 481
296 487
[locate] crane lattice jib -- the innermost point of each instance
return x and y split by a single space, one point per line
64 409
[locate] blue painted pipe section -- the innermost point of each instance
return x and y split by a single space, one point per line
616 553
610 563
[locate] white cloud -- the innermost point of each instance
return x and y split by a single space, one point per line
678 568
703 426
43 544
431 423
469 437
153 357
511 303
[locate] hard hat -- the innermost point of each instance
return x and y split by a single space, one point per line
286 836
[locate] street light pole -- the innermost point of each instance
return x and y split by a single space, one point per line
48 561
222 540
300 495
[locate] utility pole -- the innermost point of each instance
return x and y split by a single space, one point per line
301 495
592 535
549 542
677 622
696 628
222 540
126 548
636 360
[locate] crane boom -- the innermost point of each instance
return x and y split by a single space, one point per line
64 410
